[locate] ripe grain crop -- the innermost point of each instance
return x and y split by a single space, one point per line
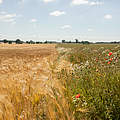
29 89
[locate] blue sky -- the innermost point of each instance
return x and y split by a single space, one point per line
40 20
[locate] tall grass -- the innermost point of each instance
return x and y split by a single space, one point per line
93 85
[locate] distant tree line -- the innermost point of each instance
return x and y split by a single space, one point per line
76 41
87 42
18 41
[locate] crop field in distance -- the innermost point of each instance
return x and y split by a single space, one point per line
59 81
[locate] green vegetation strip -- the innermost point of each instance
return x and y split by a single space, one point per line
93 83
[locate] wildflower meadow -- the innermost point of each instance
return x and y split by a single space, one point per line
93 81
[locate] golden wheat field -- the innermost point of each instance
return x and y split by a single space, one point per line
28 86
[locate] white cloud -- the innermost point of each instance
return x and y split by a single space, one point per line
96 3
66 27
108 16
47 1
1 1
86 2
4 17
90 29
79 2
57 13
33 20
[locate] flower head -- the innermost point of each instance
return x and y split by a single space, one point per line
77 96
110 53
111 59
109 62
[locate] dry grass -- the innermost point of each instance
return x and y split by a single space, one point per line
29 89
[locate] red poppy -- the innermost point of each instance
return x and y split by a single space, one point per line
109 62
110 59
110 53
77 96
